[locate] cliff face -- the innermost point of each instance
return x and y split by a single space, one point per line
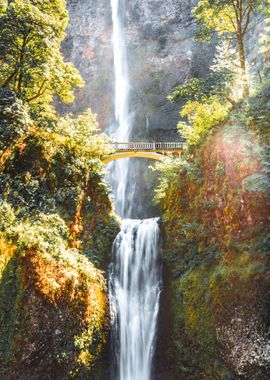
216 223
56 232
161 54
53 313
53 299
88 45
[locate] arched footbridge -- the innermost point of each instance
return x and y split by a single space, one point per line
153 150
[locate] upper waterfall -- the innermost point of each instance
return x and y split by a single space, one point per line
121 171
121 86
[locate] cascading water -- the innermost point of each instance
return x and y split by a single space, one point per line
122 129
134 281
135 289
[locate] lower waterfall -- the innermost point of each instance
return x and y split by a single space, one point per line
134 294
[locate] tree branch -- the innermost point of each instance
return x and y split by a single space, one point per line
230 100
9 79
232 22
247 22
257 23
236 8
21 63
40 91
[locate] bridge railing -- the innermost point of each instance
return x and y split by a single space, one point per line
149 146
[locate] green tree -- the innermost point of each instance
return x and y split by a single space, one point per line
223 82
201 118
82 135
31 63
208 100
15 123
265 37
230 18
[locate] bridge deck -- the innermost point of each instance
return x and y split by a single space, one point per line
153 150
149 146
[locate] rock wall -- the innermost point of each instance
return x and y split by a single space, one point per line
216 251
52 310
88 45
162 53
57 227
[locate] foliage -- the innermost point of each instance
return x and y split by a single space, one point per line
229 18
257 182
201 118
9 290
218 83
223 16
42 278
224 81
215 219
265 36
44 232
215 207
46 169
55 209
32 64
15 121
98 246
49 171
169 175
83 135
7 217
208 100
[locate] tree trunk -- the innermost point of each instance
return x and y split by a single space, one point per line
242 58
21 65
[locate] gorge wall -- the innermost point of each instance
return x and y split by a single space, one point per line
161 52
57 223
215 220
216 255
57 227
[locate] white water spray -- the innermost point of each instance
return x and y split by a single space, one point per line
121 88
135 290
135 272
120 169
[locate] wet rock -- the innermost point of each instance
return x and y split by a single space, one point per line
162 54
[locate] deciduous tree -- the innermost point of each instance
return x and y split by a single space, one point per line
31 63
231 18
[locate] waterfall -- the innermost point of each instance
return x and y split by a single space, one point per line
134 278
120 169
135 289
